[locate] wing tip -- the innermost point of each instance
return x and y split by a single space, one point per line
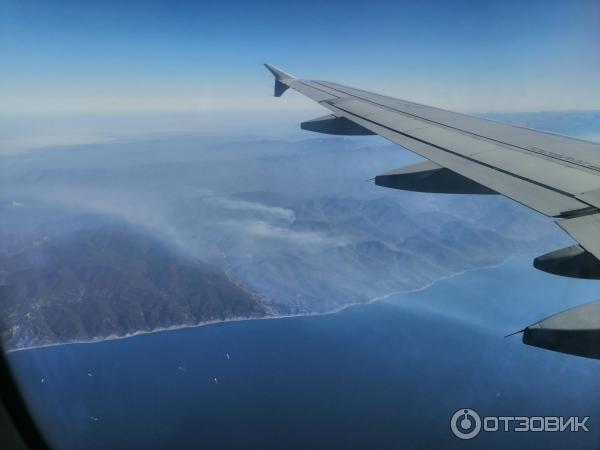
282 79
280 75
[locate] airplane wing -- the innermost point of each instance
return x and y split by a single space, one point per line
555 175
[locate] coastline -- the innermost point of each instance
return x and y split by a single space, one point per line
282 316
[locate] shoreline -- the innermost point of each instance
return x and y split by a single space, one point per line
283 316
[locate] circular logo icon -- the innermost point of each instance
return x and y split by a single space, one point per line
465 424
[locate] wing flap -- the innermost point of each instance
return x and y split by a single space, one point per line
591 197
549 173
585 230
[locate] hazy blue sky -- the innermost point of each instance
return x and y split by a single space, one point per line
131 56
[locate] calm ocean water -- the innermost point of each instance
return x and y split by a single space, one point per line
385 375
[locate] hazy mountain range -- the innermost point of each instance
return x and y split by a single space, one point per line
107 240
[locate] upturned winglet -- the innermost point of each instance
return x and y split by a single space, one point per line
282 80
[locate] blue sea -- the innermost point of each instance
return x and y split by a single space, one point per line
387 375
